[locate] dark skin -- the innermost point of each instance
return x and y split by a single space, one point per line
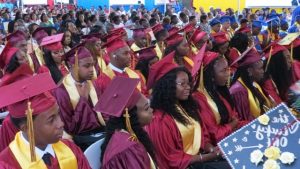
256 31
182 50
256 71
121 58
48 128
144 111
141 41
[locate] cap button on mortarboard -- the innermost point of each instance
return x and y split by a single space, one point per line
115 95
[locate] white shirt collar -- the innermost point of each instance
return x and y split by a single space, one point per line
74 81
40 152
115 68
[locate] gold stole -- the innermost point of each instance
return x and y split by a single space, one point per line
134 47
101 64
189 61
74 95
152 165
158 51
190 134
253 103
30 62
213 107
65 156
39 55
131 74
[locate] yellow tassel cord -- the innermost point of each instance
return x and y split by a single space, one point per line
201 82
29 112
133 136
101 57
269 59
76 67
148 38
229 80
292 51
162 49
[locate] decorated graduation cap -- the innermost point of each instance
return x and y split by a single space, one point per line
290 41
160 68
214 22
157 28
219 37
224 19
91 38
39 34
174 38
15 37
257 24
146 53
118 99
30 97
52 43
6 55
197 36
114 43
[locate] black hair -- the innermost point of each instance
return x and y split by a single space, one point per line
280 74
30 27
239 41
203 17
43 14
296 53
17 122
191 18
50 63
160 34
118 123
243 20
13 64
214 91
11 26
172 48
152 21
182 14
164 97
143 66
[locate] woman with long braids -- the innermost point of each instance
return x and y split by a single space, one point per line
53 56
278 72
249 99
176 129
126 145
217 107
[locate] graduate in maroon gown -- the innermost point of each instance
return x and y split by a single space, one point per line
34 48
35 112
217 107
77 96
249 98
176 130
279 70
126 144
120 60
221 44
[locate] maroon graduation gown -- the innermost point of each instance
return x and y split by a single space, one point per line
7 133
8 160
270 90
167 140
121 153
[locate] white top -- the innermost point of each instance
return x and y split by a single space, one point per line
115 68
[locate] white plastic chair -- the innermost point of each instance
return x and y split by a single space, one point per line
93 152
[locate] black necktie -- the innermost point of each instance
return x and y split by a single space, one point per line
47 159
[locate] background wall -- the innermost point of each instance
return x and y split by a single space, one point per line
223 4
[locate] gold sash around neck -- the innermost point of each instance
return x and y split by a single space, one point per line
70 86
65 156
213 106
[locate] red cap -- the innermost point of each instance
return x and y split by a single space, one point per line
198 60
34 89
92 38
173 30
15 37
275 49
6 55
174 38
52 43
82 53
39 34
197 36
188 28
119 95
114 43
22 71
146 53
118 31
160 68
139 32
244 30
220 37
209 57
248 57
156 28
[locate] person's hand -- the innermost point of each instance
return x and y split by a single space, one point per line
233 123
83 90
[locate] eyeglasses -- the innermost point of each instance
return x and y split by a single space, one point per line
184 84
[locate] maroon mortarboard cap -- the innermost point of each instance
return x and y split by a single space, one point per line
197 36
114 43
275 48
160 68
174 38
173 30
248 57
188 28
139 32
156 28
39 34
6 55
220 37
146 53
52 43
119 95
15 37
118 31
81 52
91 38
244 30
209 57
198 60
32 89
22 71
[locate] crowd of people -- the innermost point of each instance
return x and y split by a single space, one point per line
161 89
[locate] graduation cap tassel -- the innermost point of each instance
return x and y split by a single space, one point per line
76 66
269 59
133 136
29 112
101 57
292 52
201 82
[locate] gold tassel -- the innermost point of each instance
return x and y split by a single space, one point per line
133 136
76 67
201 82
29 112
162 49
292 51
269 59
101 57
229 79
